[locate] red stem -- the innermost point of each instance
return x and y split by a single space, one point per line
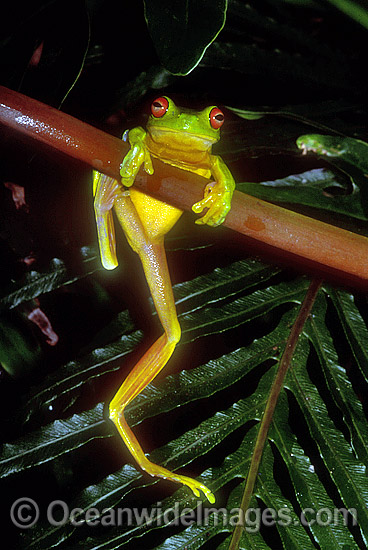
289 237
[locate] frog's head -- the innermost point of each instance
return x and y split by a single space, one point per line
193 129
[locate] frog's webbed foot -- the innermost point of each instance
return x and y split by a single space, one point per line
105 191
136 156
218 202
196 486
104 200
154 470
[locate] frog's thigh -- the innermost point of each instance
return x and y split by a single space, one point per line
156 216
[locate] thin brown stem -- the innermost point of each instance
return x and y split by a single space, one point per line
276 388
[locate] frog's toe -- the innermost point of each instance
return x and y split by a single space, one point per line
213 217
199 206
197 487
207 493
127 181
148 167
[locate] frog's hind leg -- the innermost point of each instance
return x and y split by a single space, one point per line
152 254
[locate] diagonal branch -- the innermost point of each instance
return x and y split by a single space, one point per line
271 231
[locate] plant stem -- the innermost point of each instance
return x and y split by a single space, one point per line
276 388
274 233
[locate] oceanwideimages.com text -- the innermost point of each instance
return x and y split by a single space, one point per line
25 513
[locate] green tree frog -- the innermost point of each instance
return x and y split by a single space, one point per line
181 138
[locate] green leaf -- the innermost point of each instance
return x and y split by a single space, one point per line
346 471
353 9
312 188
56 276
290 528
224 317
217 302
354 327
60 390
337 381
350 150
221 283
348 154
58 393
306 113
190 27
309 490
253 59
19 351
54 440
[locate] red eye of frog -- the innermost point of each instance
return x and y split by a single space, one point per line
159 107
216 118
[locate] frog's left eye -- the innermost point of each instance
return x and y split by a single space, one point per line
216 118
159 107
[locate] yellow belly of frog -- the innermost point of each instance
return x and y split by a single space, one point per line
156 216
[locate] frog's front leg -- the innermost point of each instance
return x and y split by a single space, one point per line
137 155
217 195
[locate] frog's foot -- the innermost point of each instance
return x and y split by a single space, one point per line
131 164
106 190
136 156
111 189
196 486
217 202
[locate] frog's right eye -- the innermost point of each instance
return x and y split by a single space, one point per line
159 107
216 118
